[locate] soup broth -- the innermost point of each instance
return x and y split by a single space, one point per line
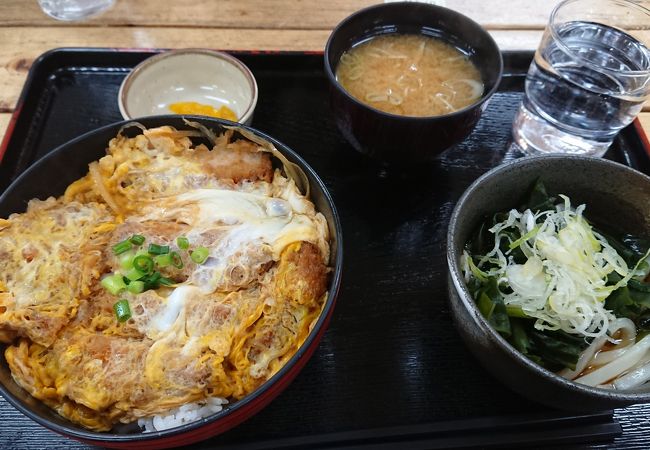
410 75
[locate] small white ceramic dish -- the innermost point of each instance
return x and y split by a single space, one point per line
188 75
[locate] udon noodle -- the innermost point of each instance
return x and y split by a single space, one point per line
620 363
410 75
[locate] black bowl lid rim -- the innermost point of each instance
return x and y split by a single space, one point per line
334 82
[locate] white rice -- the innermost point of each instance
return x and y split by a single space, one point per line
187 413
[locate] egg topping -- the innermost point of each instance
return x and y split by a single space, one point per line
218 325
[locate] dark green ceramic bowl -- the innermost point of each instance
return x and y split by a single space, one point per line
615 195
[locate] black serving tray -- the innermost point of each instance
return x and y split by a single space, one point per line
391 371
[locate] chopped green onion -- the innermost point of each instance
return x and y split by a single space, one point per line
137 239
156 249
166 281
168 259
122 310
163 260
122 247
143 264
151 281
182 242
126 260
199 255
135 287
134 274
176 259
113 283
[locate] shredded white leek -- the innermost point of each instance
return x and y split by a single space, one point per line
563 283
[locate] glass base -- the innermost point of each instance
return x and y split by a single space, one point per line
537 136
70 10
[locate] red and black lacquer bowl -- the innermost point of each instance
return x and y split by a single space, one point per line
404 139
49 177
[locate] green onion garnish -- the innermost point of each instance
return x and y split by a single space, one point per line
113 283
143 264
182 242
135 287
122 310
156 249
176 260
166 281
151 281
163 260
134 274
137 239
199 255
122 247
126 260
168 259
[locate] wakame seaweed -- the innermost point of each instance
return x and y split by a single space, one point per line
538 198
631 248
631 301
553 350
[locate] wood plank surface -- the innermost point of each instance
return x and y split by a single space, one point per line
26 32
21 45
270 14
4 121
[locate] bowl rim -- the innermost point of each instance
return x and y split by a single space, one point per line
331 76
468 303
125 86
553 28
75 431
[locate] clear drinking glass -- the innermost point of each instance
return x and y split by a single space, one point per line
74 9
589 79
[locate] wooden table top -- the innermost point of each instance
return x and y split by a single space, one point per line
26 32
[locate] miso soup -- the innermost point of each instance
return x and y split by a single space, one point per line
410 75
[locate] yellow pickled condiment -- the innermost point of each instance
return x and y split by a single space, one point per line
203 110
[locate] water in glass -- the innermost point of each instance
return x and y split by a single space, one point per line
587 81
